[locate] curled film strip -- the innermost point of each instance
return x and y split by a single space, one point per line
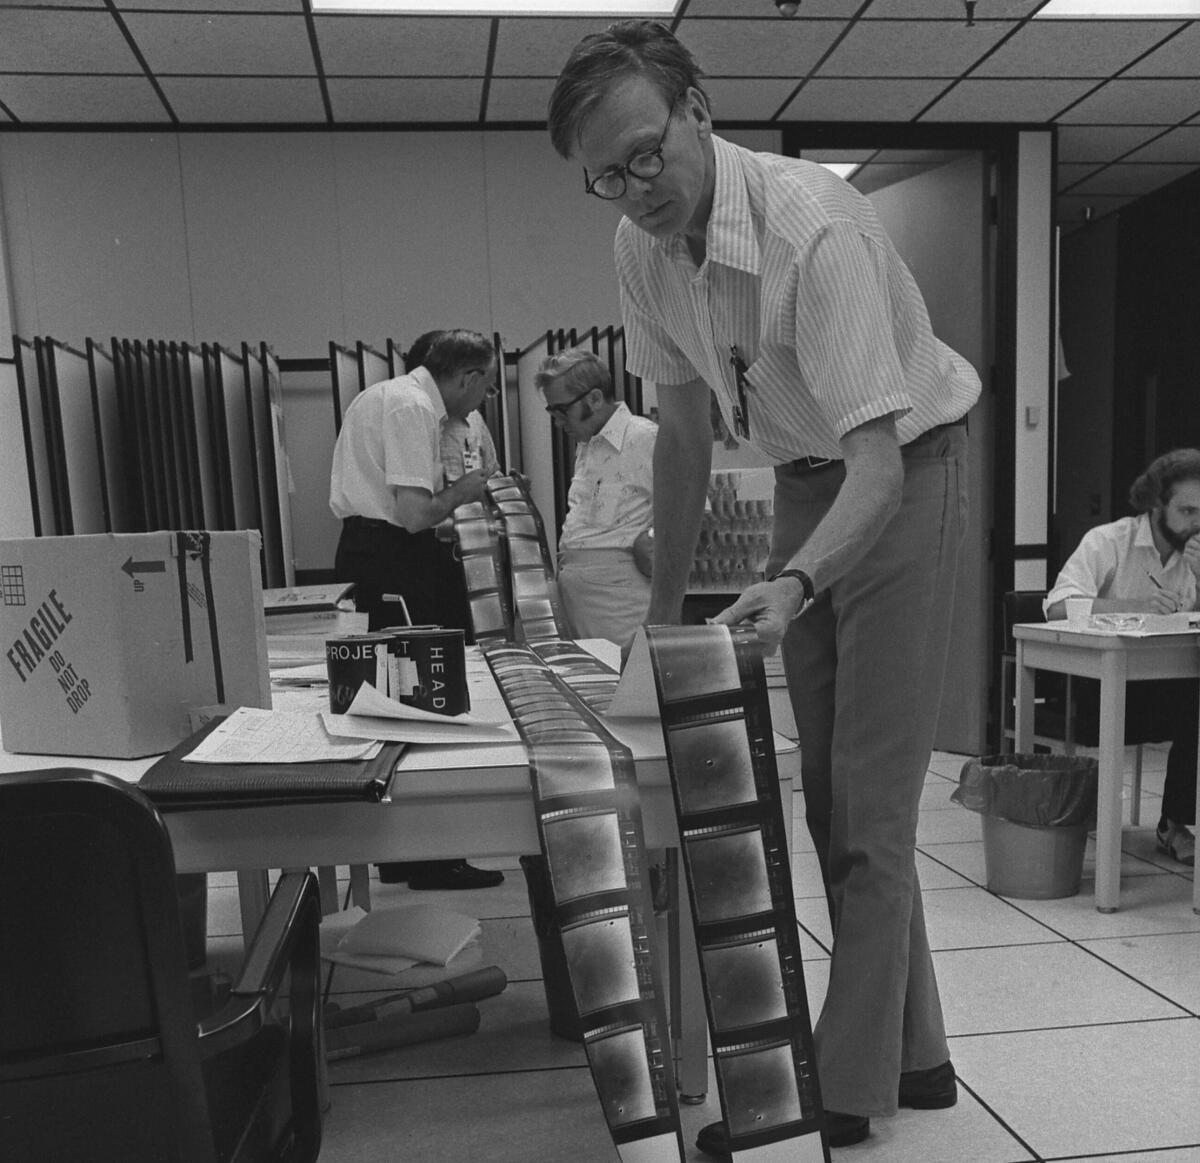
720 751
474 530
590 827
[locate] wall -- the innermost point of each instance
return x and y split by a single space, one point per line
298 239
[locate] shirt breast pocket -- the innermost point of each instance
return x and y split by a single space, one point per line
606 502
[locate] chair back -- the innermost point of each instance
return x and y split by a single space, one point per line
99 1058
1021 606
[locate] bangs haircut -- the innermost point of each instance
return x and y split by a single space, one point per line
628 48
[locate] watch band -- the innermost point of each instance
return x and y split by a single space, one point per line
805 581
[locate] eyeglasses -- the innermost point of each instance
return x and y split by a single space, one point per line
649 164
562 409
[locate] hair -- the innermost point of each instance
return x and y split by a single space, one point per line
628 48
414 357
579 370
453 351
1155 485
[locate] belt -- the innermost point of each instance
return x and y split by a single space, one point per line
368 523
807 464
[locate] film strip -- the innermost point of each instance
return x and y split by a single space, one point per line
530 569
720 752
477 546
590 827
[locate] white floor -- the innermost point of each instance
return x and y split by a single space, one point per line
1075 1035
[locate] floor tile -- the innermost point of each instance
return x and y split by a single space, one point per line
1183 1155
971 918
1169 964
1149 904
948 827
1038 987
1091 1089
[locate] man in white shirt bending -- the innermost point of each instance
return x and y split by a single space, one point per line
1149 564
610 504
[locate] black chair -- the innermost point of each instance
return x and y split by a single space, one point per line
101 1054
1057 721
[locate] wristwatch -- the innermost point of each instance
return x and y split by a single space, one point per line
806 586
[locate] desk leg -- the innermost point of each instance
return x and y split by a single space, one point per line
1023 715
1196 878
254 891
1112 774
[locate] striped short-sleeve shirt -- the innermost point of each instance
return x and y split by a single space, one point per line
801 278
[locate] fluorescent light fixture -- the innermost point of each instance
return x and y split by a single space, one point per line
607 8
1119 10
842 169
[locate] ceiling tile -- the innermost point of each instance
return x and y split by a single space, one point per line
1066 176
85 99
837 155
738 99
823 99
918 9
1179 57
388 47
214 5
843 9
245 99
518 98
405 99
225 44
538 48
729 48
1100 143
1073 48
1137 102
1132 180
62 41
884 48
1069 208
1017 100
1176 145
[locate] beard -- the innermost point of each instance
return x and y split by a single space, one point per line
1177 541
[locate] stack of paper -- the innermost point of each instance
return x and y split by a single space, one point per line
414 940
300 618
375 716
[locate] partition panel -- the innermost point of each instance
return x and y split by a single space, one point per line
110 450
208 466
344 374
262 456
146 407
238 439
52 424
136 489
373 368
70 378
192 495
282 473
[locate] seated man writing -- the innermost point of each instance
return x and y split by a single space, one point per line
604 592
1149 564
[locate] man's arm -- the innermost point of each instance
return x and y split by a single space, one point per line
418 509
866 502
682 462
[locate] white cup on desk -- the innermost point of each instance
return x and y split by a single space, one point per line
1079 610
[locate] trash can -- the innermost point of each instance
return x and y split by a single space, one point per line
1036 811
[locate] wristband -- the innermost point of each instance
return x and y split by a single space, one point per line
805 584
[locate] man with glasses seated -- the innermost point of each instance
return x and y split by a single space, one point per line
389 486
603 590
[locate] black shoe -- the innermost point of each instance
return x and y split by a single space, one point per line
928 1090
453 874
841 1131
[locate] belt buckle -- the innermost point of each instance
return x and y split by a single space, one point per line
811 462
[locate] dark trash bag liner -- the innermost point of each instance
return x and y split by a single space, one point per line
1050 791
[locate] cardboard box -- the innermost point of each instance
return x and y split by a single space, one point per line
111 640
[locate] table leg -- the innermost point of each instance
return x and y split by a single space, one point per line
254 891
1111 778
1196 878
1023 714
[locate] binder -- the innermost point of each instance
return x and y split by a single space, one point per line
175 785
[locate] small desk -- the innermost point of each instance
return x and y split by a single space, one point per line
1115 660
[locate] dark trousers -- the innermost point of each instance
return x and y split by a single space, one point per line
1160 711
384 560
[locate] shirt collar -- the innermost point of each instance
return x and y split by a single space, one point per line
730 239
615 428
421 377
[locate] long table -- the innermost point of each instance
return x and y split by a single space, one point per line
445 800
1114 659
